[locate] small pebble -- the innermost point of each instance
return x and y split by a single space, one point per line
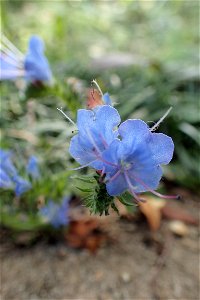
126 277
179 228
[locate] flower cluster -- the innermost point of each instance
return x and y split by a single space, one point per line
9 176
56 214
128 155
33 66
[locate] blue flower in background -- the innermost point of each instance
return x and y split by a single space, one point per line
33 66
5 180
106 99
9 177
21 185
56 214
36 65
96 130
32 167
6 163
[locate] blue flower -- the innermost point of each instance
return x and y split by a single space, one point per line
55 214
130 156
33 66
21 185
5 180
136 159
32 167
106 99
6 163
97 128
36 65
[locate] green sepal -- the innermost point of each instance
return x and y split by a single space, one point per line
125 198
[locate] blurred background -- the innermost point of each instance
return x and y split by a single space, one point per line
145 54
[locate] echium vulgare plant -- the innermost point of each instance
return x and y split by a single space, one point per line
127 157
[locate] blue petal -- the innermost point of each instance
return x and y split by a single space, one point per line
21 185
112 156
145 179
133 132
56 215
96 130
83 156
6 163
117 186
162 148
100 123
36 64
5 180
32 167
106 99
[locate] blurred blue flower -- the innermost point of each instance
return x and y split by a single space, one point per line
6 163
32 167
56 214
21 185
5 180
9 177
36 65
96 130
106 99
33 66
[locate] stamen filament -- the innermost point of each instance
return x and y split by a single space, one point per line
98 87
12 60
161 119
154 192
114 176
138 199
68 118
12 47
84 166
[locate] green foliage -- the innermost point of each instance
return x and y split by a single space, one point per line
95 196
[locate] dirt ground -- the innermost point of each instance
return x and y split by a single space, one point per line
130 267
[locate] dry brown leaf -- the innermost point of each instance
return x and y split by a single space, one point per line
152 211
85 233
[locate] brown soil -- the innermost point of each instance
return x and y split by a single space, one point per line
133 267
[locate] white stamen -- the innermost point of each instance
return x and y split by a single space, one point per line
160 121
12 47
10 59
68 118
84 166
98 87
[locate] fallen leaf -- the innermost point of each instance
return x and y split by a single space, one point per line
85 233
151 209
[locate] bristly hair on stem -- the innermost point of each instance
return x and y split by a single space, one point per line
68 118
161 120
